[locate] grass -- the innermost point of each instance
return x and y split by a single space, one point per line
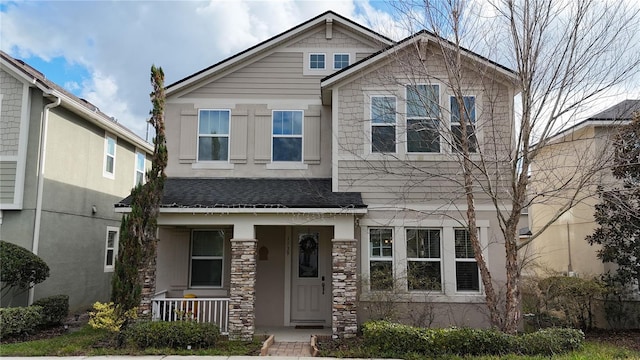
92 342
591 350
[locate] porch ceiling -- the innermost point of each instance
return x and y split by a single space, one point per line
239 193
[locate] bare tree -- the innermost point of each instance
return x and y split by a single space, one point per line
565 55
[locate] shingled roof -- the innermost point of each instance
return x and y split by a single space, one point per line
621 111
253 193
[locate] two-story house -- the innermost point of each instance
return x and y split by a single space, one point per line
574 155
308 174
63 164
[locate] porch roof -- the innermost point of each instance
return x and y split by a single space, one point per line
246 193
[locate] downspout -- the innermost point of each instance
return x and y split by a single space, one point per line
39 190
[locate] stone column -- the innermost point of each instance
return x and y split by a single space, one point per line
243 289
344 283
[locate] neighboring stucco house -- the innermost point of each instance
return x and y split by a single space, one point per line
562 247
63 164
305 179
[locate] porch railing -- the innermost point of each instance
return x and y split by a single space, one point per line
213 310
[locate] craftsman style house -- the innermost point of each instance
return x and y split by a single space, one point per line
63 164
308 176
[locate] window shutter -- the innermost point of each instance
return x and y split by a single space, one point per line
238 141
263 136
311 138
188 135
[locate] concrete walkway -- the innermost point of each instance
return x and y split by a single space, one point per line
297 349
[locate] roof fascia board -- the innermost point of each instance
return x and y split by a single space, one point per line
223 211
583 125
277 40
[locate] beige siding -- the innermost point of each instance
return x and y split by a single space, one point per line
339 38
11 112
7 181
278 75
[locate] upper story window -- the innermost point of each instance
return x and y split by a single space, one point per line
424 260
383 124
139 168
467 275
423 114
109 156
470 116
207 258
287 135
213 135
340 61
381 258
111 248
317 61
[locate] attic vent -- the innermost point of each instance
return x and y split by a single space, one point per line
329 29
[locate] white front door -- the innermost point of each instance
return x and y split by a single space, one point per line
310 276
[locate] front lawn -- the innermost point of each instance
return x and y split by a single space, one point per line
91 342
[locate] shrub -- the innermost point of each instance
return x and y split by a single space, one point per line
396 339
178 334
19 320
573 297
20 267
550 341
54 309
108 316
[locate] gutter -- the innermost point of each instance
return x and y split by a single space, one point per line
44 125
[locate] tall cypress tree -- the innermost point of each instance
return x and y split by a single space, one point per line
137 250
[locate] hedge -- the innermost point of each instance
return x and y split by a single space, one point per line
390 338
54 309
177 334
19 320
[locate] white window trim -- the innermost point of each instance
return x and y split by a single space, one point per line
407 118
116 243
334 60
136 171
317 69
457 260
418 259
105 173
228 136
277 165
222 274
371 258
371 125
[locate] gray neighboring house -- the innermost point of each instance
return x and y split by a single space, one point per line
63 164
305 181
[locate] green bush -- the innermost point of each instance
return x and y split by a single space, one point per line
396 339
550 341
20 267
54 309
19 320
178 334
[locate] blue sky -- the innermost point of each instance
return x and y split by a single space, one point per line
102 50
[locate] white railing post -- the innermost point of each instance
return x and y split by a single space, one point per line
213 310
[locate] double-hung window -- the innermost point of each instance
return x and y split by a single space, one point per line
424 270
470 120
109 156
316 61
213 135
467 276
383 124
423 114
111 248
340 61
207 258
139 170
381 258
287 135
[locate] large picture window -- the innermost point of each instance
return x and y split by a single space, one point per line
424 259
423 114
467 276
287 135
381 259
470 116
207 258
383 124
213 135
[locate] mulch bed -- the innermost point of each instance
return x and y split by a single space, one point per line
621 338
